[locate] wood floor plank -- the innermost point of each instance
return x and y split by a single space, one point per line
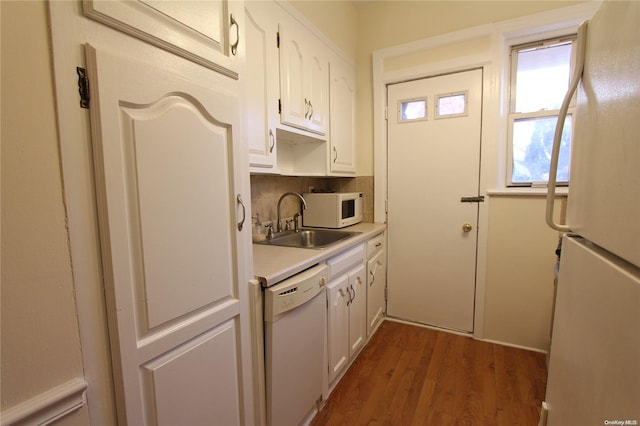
468 391
488 378
423 408
378 381
446 367
411 375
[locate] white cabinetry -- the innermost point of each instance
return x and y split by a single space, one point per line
299 98
338 332
343 116
304 79
207 33
168 168
376 282
179 147
357 310
261 85
347 309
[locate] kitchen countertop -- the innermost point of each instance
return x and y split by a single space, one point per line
272 264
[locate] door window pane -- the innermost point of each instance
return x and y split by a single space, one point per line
451 105
412 110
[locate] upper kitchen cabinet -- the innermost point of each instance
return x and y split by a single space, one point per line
261 85
304 79
290 76
343 115
207 33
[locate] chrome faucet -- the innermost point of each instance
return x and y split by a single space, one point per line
304 206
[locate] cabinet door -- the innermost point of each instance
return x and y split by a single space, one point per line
304 79
293 102
317 71
207 33
167 175
357 310
343 116
376 283
338 325
261 84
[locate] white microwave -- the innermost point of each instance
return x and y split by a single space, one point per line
332 210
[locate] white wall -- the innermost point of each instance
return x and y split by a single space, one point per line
520 261
338 20
40 339
383 24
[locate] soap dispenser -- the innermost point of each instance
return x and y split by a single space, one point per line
258 231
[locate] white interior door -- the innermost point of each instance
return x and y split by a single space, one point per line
433 161
164 150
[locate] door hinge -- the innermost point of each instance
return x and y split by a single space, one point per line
83 87
279 107
386 113
278 39
385 293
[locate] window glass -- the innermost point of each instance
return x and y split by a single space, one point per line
532 144
540 74
451 105
542 77
411 110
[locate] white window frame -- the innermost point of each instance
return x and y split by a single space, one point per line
512 116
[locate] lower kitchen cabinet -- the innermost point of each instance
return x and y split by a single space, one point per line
347 317
376 282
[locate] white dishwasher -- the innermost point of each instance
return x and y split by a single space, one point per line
295 319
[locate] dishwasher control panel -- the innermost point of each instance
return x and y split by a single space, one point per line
294 291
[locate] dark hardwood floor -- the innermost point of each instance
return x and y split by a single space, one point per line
409 375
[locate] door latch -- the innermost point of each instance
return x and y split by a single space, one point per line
478 199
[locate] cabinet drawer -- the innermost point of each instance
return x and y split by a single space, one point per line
375 245
341 263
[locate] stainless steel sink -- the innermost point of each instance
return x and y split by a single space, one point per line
308 238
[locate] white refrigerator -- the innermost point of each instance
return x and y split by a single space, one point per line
594 362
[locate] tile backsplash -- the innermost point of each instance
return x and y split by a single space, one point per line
266 190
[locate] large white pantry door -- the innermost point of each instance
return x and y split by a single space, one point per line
164 153
433 162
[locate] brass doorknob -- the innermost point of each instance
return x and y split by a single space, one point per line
467 227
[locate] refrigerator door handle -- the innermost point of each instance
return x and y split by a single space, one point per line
581 41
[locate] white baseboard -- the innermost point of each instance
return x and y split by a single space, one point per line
461 333
513 345
49 406
417 324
